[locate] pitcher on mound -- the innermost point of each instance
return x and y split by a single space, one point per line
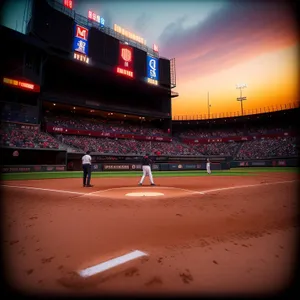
146 165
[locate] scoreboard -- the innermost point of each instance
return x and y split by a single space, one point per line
87 41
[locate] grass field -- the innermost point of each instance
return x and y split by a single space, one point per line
107 174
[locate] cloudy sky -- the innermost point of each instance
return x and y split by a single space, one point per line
216 44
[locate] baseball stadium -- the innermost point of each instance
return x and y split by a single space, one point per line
71 85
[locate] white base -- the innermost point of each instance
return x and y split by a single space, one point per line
144 194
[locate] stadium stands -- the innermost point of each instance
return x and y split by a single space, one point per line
124 146
121 127
208 133
268 147
27 138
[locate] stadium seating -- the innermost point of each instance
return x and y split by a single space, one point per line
124 146
25 138
255 149
268 148
210 133
121 127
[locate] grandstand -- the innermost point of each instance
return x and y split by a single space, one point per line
92 107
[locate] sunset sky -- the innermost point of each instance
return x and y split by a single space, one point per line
216 44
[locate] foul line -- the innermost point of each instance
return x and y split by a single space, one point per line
42 189
45 190
246 186
111 263
102 191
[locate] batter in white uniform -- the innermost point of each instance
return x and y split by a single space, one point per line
208 166
146 165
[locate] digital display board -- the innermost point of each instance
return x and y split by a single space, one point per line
152 69
81 57
81 39
129 34
93 16
68 4
21 84
125 66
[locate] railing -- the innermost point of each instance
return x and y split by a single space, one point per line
84 21
248 112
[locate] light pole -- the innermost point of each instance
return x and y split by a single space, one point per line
208 105
241 98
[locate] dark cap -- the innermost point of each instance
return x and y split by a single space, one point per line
88 152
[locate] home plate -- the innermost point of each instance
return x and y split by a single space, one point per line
144 194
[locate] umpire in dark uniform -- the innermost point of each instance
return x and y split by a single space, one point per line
87 169
146 165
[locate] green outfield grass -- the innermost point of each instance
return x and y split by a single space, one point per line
107 174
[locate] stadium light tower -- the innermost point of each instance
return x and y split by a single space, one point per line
208 105
241 98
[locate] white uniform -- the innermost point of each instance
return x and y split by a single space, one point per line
208 168
86 159
146 171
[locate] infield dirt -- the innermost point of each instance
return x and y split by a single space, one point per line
235 240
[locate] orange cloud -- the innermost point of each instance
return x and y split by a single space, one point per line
238 32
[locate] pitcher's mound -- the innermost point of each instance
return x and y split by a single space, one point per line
144 194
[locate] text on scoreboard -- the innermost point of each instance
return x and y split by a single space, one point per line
152 68
81 39
125 65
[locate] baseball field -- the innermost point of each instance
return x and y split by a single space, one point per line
233 231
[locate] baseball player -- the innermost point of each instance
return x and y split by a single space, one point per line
208 166
87 169
146 164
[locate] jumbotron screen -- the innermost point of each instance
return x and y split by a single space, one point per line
90 42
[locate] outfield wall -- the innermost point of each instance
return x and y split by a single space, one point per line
37 160
284 162
35 168
114 167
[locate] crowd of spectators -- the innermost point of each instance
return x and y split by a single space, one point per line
27 138
14 136
92 124
211 133
125 146
225 149
258 149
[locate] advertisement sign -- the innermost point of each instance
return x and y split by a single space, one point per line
125 60
281 163
68 4
21 84
116 167
36 168
152 68
81 39
94 17
129 34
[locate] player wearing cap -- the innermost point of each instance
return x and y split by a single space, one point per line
146 165
87 169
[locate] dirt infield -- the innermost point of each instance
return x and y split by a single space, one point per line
200 235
